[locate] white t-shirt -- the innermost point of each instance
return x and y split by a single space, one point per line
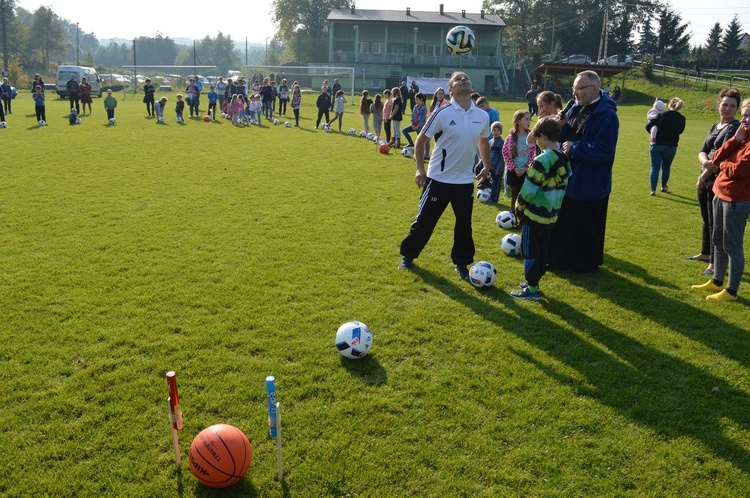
456 132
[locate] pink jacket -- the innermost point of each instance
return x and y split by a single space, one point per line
510 163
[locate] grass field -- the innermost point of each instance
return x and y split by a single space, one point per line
229 254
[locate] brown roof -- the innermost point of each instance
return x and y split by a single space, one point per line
416 17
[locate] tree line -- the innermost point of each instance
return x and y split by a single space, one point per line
562 27
39 41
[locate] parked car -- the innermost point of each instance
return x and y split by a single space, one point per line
577 59
617 60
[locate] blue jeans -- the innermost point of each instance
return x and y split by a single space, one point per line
406 132
268 109
730 219
661 159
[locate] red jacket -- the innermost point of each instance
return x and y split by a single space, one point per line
733 182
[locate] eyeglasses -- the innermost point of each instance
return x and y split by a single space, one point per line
581 88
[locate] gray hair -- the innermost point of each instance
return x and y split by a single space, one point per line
592 77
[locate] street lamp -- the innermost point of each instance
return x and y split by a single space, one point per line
77 51
267 50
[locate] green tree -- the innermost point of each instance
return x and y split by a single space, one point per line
713 44
648 43
48 39
219 51
730 41
520 22
309 17
156 51
673 38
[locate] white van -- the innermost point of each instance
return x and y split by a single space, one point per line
63 76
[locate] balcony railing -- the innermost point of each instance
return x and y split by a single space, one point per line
340 57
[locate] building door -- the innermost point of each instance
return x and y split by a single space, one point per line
489 84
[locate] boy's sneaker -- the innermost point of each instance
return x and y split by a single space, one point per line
526 294
463 272
406 264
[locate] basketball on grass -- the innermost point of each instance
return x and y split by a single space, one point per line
220 455
385 149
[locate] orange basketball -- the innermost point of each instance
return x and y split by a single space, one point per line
207 119
220 455
385 149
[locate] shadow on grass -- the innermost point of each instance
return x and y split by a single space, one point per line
681 199
367 369
649 386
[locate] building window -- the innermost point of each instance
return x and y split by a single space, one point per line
432 51
378 48
420 49
363 48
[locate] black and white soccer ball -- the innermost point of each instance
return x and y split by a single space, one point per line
506 220
511 244
288 124
3 124
353 340
42 122
352 131
407 152
112 121
483 274
276 122
483 195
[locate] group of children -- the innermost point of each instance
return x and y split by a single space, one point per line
537 173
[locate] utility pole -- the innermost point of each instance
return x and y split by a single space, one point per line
77 50
5 45
605 33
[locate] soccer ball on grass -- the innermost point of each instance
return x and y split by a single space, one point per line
511 244
482 274
506 220
353 340
483 195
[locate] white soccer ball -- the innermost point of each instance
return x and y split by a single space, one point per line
363 133
353 340
276 122
180 120
506 220
3 124
460 40
288 124
382 142
112 121
511 244
252 120
352 131
160 120
483 274
326 128
407 152
374 140
42 122
78 121
369 136
483 195
223 114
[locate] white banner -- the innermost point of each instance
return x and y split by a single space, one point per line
429 85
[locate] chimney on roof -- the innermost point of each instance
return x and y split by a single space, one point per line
481 13
352 8
408 12
463 13
441 9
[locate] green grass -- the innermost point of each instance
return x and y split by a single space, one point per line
229 254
